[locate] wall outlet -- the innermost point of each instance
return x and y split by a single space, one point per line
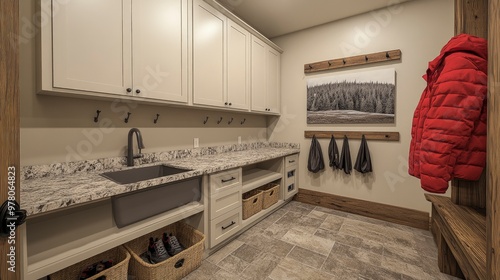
239 140
196 142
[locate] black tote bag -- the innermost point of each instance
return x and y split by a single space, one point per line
315 163
363 161
345 157
333 154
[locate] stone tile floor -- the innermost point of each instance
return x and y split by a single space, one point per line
302 241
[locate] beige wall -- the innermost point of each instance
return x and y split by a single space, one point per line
419 29
56 129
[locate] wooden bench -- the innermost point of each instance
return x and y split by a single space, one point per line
460 234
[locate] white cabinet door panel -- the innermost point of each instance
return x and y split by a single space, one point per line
91 45
238 66
259 88
159 34
208 55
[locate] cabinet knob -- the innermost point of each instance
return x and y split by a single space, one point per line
129 90
230 104
137 91
226 103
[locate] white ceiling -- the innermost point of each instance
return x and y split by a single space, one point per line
273 18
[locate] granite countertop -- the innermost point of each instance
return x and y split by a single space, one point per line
59 188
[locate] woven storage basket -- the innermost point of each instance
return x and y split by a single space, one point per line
175 267
252 203
118 271
269 194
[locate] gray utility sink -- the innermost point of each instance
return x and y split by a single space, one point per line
142 173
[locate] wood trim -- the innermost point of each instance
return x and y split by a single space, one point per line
384 212
493 166
352 61
471 17
369 135
9 120
470 193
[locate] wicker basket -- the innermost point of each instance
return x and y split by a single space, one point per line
118 271
270 193
252 203
175 267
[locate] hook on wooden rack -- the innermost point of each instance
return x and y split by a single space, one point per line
206 120
387 55
128 116
329 64
310 67
243 121
219 121
230 121
343 60
96 118
157 117
366 58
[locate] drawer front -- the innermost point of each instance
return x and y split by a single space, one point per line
225 180
225 226
223 202
292 160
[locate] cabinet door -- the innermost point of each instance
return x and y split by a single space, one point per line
91 45
259 88
238 66
273 81
159 36
208 55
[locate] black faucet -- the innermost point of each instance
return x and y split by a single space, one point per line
130 148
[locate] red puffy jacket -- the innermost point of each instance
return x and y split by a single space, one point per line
449 124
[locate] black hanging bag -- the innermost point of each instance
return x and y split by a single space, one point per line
315 162
363 161
333 154
345 157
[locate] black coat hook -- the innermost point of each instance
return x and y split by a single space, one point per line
157 117
366 58
243 121
230 121
310 67
206 120
343 61
96 118
387 55
128 116
329 64
218 122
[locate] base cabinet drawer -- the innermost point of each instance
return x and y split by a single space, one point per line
225 180
225 226
223 202
292 160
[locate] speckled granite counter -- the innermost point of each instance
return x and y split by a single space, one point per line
55 186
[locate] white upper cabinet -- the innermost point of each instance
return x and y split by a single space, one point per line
208 55
159 49
126 47
265 77
221 64
90 46
238 66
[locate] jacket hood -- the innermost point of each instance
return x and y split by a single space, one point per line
461 43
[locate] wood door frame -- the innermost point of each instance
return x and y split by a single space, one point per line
9 124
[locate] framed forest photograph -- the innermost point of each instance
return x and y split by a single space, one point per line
355 98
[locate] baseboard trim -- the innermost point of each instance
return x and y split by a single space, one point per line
389 213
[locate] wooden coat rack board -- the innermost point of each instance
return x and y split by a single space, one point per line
369 135
352 61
